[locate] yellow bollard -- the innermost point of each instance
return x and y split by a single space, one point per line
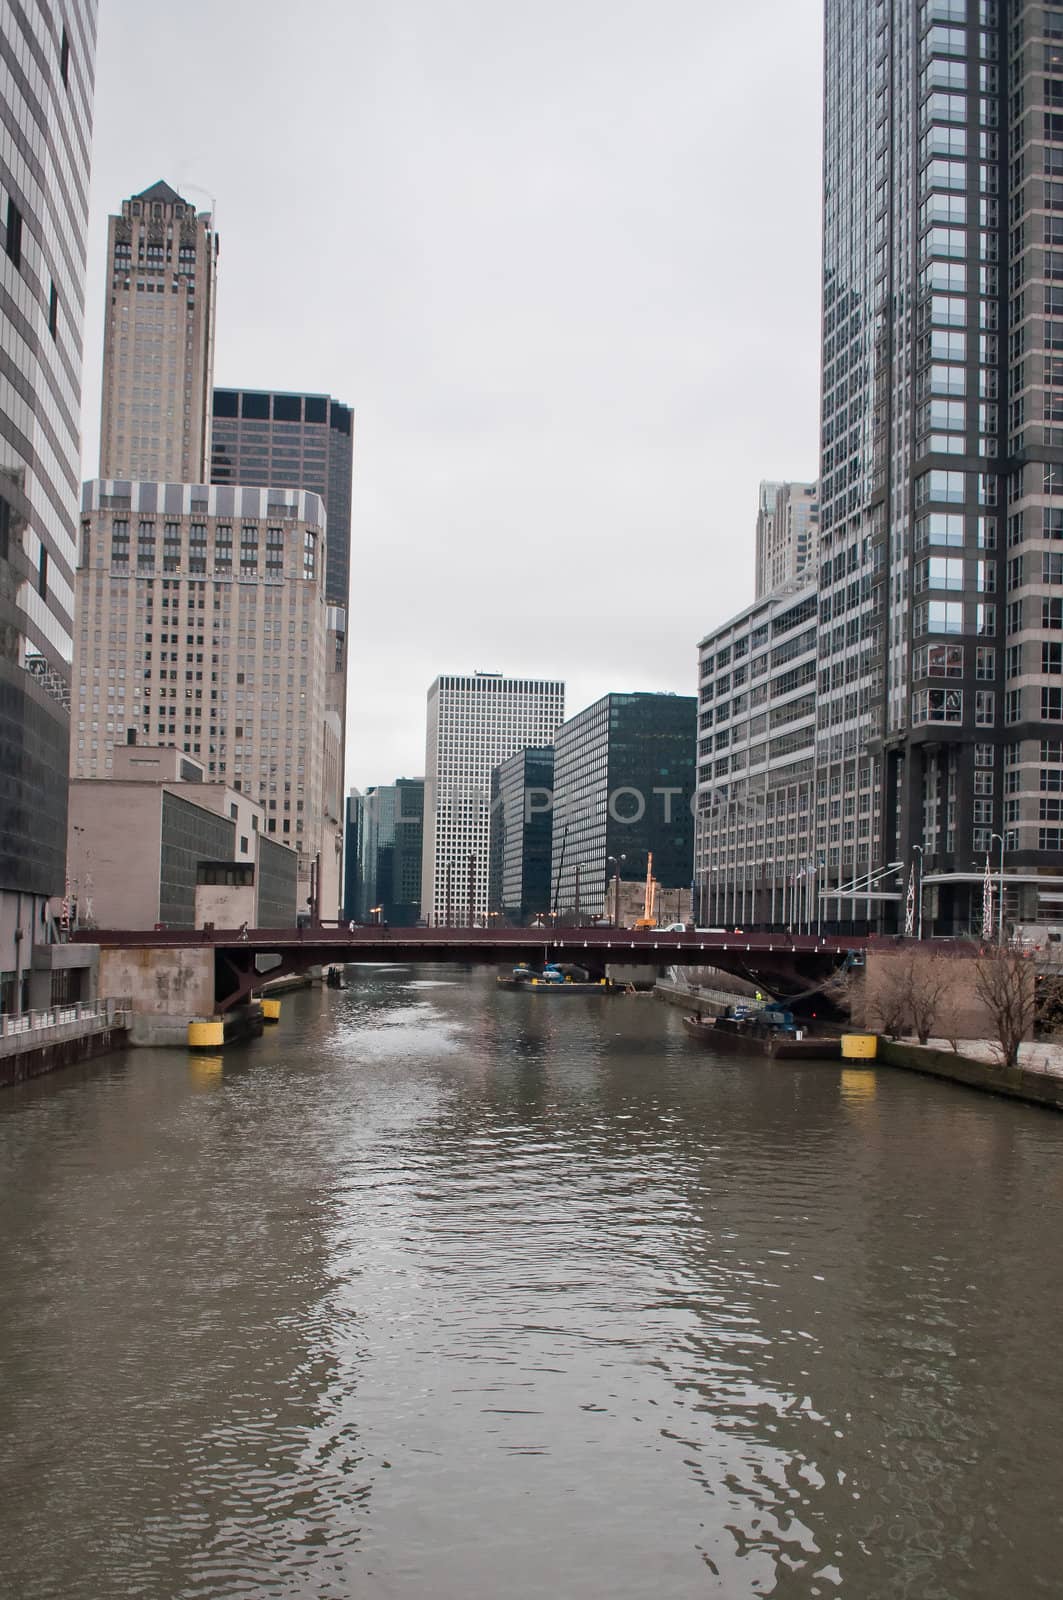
271 1010
207 1035
859 1046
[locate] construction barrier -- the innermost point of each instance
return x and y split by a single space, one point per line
859 1046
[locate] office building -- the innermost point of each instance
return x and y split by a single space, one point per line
787 528
755 859
49 50
293 441
390 834
475 722
624 779
202 624
300 441
522 798
939 692
158 342
352 855
157 843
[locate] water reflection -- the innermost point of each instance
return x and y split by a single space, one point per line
441 1290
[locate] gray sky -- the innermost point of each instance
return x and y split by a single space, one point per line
562 258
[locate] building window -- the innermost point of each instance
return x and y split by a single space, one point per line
64 57
937 705
13 242
53 311
984 708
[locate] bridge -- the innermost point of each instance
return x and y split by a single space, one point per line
246 959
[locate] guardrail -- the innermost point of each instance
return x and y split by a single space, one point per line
108 1013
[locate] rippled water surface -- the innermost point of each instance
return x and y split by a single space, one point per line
437 1291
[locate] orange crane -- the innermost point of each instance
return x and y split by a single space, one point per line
648 919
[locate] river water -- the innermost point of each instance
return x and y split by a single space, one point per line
438 1291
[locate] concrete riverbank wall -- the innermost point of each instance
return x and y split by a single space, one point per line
42 1041
1017 1083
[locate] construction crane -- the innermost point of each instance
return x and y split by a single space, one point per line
648 919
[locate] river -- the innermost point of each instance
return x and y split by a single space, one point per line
438 1291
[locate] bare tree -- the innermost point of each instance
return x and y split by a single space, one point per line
909 992
927 979
1006 983
844 990
886 1003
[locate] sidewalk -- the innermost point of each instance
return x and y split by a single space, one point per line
1036 1055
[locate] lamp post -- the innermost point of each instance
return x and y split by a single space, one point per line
616 860
377 912
1000 889
919 894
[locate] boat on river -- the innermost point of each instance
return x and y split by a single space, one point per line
770 1032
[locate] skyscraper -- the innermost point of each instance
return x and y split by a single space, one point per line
941 501
202 624
787 527
474 722
158 343
624 775
389 841
300 441
296 441
939 689
522 804
49 51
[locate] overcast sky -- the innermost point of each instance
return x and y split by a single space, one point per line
563 260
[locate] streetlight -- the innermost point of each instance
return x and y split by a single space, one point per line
919 894
1000 891
377 912
616 860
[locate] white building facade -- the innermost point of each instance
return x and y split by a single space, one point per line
475 722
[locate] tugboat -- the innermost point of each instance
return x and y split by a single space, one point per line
770 1031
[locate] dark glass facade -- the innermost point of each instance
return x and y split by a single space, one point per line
624 779
385 829
299 441
190 835
278 884
352 856
521 834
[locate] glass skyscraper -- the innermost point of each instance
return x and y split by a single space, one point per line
623 782
522 798
297 441
48 51
939 692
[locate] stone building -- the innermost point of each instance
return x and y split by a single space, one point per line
202 624
787 534
156 843
158 345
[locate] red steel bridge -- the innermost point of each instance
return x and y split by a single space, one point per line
247 958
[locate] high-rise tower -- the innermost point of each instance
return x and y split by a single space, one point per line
940 714
787 525
292 441
301 441
49 51
474 722
158 346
